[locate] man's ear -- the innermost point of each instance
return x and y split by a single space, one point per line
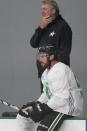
51 57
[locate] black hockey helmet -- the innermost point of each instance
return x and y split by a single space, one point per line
48 50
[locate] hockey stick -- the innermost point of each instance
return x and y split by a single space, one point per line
15 107
9 105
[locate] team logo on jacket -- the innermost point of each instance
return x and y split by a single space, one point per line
52 34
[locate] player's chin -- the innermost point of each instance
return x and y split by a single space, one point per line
42 64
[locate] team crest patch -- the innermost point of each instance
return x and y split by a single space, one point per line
52 34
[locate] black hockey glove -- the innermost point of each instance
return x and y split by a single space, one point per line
39 111
44 107
25 109
35 110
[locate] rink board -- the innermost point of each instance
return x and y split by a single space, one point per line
7 124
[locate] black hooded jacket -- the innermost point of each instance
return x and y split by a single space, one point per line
59 34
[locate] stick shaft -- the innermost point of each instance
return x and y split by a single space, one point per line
15 107
9 105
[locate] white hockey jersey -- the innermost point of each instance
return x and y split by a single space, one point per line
62 91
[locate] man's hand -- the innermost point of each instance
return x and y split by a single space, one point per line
45 21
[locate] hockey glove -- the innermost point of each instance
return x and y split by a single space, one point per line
24 111
44 107
39 111
35 110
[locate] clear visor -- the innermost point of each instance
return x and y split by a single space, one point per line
42 55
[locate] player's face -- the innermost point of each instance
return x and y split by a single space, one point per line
43 58
46 10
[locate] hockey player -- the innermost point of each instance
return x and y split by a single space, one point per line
61 98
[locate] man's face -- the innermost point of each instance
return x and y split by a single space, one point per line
47 10
43 58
